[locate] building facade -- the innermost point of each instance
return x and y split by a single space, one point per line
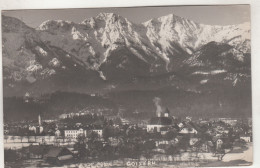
74 133
159 122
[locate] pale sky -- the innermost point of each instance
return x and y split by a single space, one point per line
214 15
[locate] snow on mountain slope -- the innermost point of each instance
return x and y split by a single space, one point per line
29 63
191 35
169 39
216 54
219 63
17 57
24 55
95 38
108 45
172 28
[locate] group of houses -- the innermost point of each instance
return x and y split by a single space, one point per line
163 122
218 130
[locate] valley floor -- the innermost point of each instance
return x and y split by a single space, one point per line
230 159
235 159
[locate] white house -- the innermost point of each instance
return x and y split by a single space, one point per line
36 129
40 128
193 141
164 142
229 121
125 121
157 123
74 133
32 128
219 143
63 116
57 133
98 131
246 138
180 125
188 130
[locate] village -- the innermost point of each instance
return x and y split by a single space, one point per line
92 138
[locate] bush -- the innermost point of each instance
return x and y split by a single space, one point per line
10 155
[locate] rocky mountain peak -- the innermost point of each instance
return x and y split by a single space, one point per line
11 24
106 16
110 44
55 25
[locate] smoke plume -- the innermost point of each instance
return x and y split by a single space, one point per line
157 103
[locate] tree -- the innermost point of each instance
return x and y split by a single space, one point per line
6 138
220 153
184 143
81 139
108 152
204 137
108 132
227 145
94 145
172 150
230 134
93 136
80 146
12 138
69 140
148 146
170 135
10 155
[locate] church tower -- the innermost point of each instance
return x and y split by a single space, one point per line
166 113
40 120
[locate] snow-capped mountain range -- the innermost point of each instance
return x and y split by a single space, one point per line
103 50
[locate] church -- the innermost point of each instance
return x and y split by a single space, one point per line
160 121
37 129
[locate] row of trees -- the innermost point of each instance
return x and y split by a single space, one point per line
133 142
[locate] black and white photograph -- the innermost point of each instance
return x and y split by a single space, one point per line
148 86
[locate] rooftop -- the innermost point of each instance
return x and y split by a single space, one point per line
161 121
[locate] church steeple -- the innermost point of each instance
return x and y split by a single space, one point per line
167 112
39 120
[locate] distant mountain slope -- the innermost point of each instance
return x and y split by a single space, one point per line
214 101
52 105
30 65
